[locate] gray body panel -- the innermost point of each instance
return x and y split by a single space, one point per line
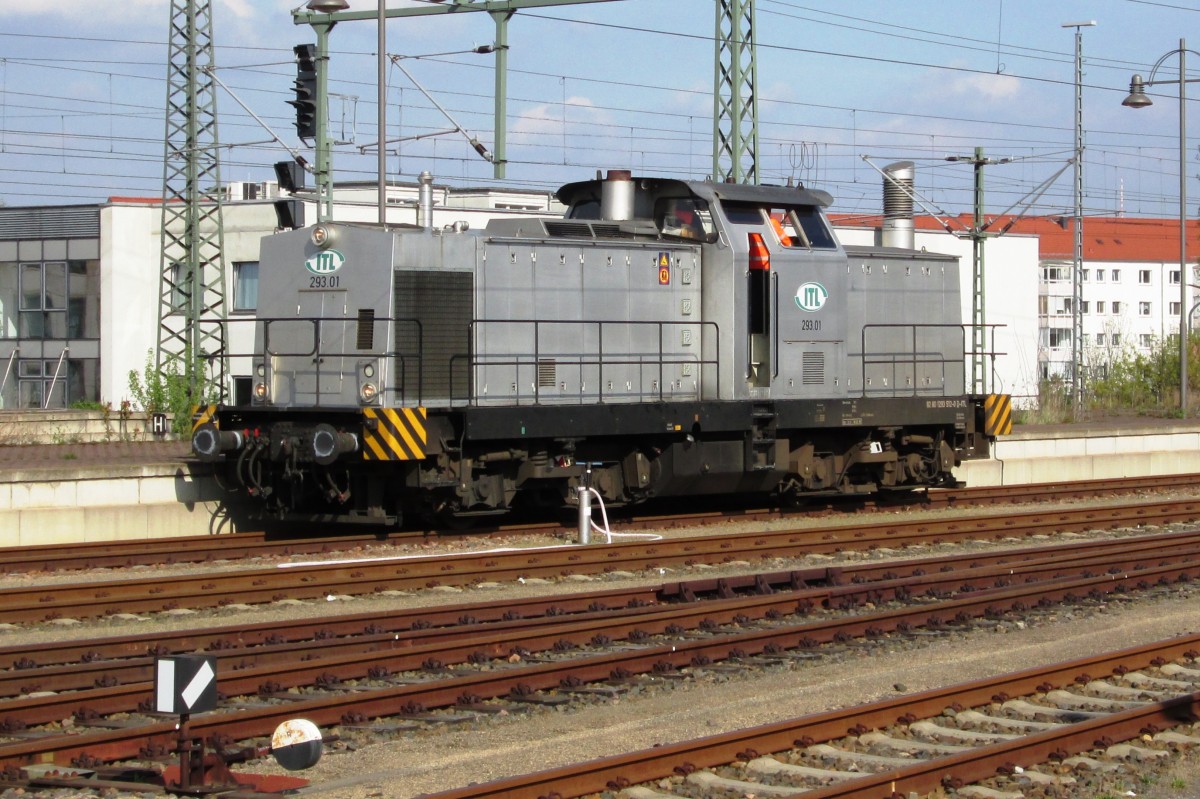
569 312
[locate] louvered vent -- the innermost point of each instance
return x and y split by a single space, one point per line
571 228
62 222
812 369
547 375
433 317
568 229
366 329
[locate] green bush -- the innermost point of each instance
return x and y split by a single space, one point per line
1141 383
168 391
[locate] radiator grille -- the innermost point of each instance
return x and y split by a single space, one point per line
547 374
433 316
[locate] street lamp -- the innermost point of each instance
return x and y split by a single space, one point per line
1138 99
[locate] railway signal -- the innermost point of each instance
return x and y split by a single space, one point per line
306 90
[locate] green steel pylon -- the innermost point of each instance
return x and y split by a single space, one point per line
735 112
191 315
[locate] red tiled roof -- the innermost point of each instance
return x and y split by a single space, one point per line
1122 239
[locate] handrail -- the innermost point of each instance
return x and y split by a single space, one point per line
7 371
913 358
596 358
54 381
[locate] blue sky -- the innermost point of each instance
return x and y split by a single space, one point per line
626 84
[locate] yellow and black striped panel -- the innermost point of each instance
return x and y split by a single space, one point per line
997 415
394 434
203 414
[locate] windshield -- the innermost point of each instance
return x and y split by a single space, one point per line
800 226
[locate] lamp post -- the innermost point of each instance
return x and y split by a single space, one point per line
1137 99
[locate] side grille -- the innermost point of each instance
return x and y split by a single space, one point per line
546 373
812 369
366 329
433 317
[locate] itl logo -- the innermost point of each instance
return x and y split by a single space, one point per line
325 262
811 297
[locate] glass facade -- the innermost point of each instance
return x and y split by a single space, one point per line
49 323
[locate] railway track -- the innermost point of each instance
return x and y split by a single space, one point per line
1031 730
366 576
248 545
561 653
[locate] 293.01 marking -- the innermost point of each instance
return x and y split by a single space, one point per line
810 324
323 281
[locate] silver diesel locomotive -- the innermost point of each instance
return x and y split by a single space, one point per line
667 337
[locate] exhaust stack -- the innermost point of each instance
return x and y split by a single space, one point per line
616 196
898 179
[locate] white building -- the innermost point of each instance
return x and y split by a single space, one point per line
1130 295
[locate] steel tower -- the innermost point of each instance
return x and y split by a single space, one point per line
735 110
191 313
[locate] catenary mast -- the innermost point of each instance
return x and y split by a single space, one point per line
191 313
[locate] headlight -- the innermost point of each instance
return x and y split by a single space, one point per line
368 370
260 392
323 236
261 370
367 392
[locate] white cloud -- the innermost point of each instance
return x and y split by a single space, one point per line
542 120
988 87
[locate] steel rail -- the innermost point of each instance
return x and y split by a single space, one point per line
248 722
78 555
618 771
375 575
840 588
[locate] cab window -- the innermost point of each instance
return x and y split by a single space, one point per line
800 226
685 218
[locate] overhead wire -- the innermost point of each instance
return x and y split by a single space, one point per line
677 131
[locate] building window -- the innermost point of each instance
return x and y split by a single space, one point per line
1116 306
1116 339
1116 275
1085 275
1084 306
1100 306
1143 309
1146 341
245 286
1144 277
1059 338
1099 339
52 383
1175 277
1174 307
50 300
1099 275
